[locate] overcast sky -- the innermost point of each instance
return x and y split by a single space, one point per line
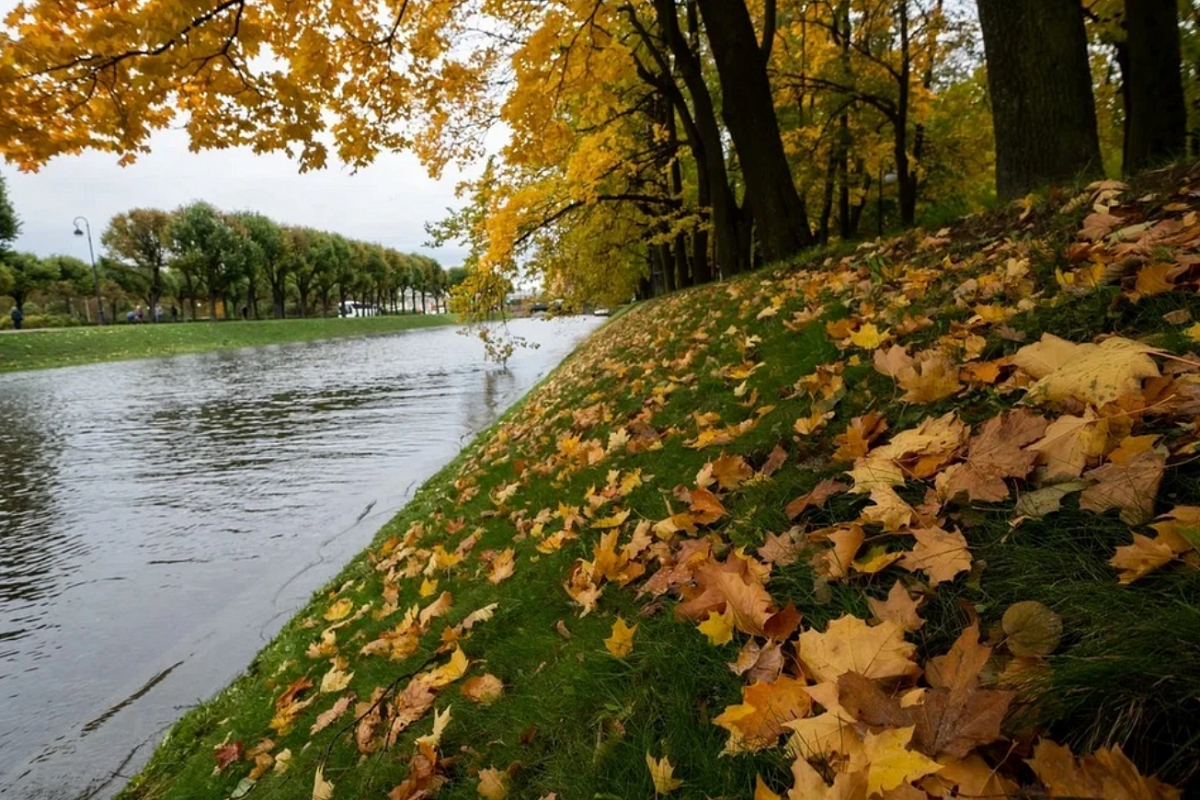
388 202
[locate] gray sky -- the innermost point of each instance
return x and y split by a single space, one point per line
388 202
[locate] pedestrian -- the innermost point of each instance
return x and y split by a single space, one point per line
174 313
18 317
138 314
245 312
158 313
131 316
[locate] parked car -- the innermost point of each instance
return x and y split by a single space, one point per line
601 312
353 308
536 307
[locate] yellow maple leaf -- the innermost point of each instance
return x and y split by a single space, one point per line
892 763
502 566
662 773
718 628
758 721
868 337
428 588
939 554
493 784
449 672
339 610
1085 373
850 645
620 644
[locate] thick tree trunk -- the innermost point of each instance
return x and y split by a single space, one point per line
667 263
704 139
1155 115
749 113
1043 110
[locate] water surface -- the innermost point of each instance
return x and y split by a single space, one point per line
161 519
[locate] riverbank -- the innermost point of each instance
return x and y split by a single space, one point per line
63 347
864 519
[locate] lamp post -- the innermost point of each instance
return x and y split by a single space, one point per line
95 276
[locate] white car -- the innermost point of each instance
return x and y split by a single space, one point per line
353 308
601 312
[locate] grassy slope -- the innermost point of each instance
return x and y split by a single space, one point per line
577 721
63 347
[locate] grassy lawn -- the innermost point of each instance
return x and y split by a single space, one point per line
61 347
492 594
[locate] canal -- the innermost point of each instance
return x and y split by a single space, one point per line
161 519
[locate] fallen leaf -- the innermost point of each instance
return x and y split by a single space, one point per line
1031 628
483 689
1131 487
815 498
227 754
718 628
493 784
322 789
1068 445
1040 502
758 721
1104 775
939 554
662 774
731 471
993 455
620 643
327 718
892 763
339 610
1087 373
899 608
849 645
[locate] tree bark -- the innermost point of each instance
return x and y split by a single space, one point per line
749 114
703 136
1155 114
1043 110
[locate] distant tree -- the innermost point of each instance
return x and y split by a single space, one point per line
455 276
28 274
300 245
68 278
141 240
1043 110
267 251
200 236
10 223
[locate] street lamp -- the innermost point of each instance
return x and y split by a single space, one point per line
95 276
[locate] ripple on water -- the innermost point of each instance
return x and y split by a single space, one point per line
159 519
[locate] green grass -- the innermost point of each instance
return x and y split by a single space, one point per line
61 347
578 722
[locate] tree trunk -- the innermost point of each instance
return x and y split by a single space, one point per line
704 139
279 300
1043 110
668 268
749 113
1155 115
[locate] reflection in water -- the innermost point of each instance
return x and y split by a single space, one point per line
161 519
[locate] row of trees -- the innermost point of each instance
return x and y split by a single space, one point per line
650 144
241 261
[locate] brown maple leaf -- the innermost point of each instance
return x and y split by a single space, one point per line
994 454
815 498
